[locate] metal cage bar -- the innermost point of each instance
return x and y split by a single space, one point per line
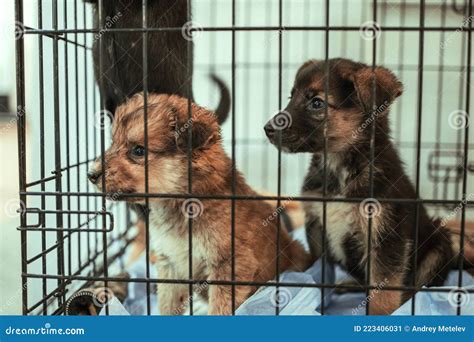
68 188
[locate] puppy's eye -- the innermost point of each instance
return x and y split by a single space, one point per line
138 151
316 103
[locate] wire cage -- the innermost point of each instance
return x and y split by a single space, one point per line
72 236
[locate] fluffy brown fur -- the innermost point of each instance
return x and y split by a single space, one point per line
347 96
255 237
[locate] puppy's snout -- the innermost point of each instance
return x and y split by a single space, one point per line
94 176
269 129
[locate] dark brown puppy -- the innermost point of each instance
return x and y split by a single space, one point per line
255 235
168 54
349 118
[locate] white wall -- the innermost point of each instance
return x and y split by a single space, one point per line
257 86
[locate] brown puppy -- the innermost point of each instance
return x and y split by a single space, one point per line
255 237
350 113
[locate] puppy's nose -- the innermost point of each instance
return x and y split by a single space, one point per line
93 176
269 129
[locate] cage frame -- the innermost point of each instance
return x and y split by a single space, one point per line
63 279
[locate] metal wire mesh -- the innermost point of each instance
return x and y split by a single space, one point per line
71 236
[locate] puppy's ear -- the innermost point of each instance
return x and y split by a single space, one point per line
203 136
387 87
305 65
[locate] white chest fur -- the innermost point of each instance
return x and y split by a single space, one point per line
339 222
169 238
340 216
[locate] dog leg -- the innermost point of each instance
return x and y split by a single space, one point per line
220 296
386 271
314 235
172 298
383 302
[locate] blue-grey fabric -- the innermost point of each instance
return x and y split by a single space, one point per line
307 301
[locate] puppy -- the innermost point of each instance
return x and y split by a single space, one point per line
349 116
122 53
255 237
122 56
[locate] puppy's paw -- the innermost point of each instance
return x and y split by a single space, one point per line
173 300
